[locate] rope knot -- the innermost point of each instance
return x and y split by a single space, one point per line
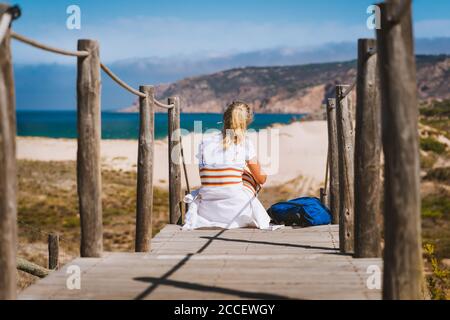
14 11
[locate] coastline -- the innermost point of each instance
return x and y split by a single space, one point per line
302 153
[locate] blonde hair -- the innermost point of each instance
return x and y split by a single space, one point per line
236 119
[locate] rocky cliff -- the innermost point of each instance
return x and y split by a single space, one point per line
290 89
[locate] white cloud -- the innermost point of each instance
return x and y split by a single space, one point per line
432 28
164 37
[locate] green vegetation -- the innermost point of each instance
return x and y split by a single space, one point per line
437 109
436 199
438 280
436 206
431 144
437 115
427 161
439 175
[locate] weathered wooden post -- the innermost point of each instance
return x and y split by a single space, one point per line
333 160
186 205
144 201
88 155
345 137
403 269
323 196
8 171
367 153
53 251
174 162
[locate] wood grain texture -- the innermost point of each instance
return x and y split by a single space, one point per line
175 204
8 172
144 201
333 154
32 268
403 277
345 135
367 154
215 264
89 182
323 196
53 251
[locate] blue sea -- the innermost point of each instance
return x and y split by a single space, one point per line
63 124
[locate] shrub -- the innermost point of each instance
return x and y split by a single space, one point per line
427 161
438 280
436 206
438 109
431 144
439 174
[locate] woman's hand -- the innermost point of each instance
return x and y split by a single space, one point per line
255 169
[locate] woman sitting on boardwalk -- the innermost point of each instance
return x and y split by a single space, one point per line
230 175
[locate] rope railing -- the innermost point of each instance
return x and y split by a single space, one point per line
122 83
347 92
163 105
127 87
4 25
39 45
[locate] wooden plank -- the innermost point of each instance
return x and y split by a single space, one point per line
144 201
271 269
367 154
403 276
88 154
8 171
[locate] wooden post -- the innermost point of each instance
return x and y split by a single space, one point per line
333 160
32 268
186 205
144 201
367 153
323 196
345 136
403 269
53 251
174 162
8 172
88 155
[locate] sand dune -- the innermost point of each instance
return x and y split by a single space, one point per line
301 152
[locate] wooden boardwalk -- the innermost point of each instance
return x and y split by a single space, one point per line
214 264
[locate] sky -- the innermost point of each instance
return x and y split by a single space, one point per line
200 28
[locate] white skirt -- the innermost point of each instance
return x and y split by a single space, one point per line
225 207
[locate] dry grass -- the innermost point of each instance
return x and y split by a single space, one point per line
48 203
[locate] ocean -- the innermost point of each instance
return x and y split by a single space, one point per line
63 124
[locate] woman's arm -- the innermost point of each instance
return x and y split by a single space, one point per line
255 169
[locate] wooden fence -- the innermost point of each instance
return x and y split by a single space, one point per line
386 118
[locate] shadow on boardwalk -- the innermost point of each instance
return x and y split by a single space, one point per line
164 280
155 282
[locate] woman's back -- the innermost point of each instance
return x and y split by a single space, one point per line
224 201
213 154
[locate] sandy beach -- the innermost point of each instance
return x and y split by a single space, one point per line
301 151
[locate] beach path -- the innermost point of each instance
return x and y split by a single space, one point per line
289 263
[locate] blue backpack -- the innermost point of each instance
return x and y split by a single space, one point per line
303 212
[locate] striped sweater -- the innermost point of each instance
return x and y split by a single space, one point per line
220 177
